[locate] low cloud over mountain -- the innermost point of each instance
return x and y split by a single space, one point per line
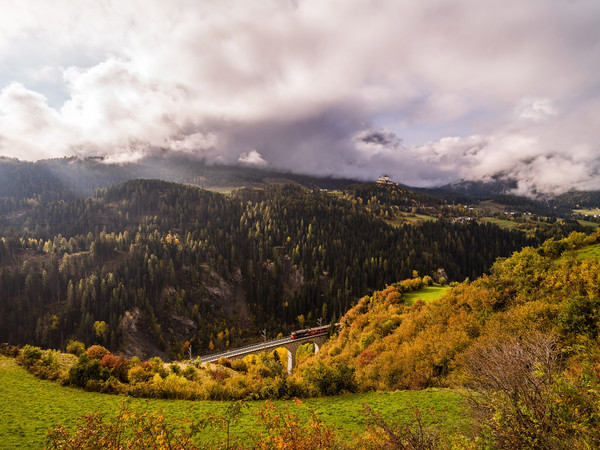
427 92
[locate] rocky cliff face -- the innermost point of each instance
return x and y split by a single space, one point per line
140 337
149 336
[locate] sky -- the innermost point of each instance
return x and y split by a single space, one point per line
426 91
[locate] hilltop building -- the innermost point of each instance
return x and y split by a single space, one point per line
385 180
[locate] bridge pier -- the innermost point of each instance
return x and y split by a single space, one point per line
292 348
291 361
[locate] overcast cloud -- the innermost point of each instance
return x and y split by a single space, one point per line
427 92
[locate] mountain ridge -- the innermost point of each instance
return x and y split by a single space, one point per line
82 176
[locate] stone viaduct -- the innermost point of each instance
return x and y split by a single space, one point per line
291 345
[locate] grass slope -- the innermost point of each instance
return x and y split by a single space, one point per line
508 224
591 251
587 212
426 294
401 219
30 406
587 223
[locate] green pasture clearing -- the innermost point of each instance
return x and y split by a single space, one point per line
592 251
399 220
427 294
489 205
587 223
30 406
500 222
587 212
425 217
225 190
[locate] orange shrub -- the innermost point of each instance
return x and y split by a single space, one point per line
97 352
118 364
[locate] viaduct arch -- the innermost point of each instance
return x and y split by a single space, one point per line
291 345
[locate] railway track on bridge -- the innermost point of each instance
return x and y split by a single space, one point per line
255 348
318 336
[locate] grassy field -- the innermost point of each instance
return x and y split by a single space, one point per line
29 406
592 251
427 294
413 219
500 222
226 190
587 212
490 206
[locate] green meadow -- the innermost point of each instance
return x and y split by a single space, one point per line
591 251
401 219
30 406
500 222
587 212
426 294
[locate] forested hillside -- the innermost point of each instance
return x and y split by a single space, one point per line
195 266
521 344
392 344
523 340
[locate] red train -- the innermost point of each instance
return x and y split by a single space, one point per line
312 331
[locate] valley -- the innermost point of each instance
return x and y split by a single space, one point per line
123 290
